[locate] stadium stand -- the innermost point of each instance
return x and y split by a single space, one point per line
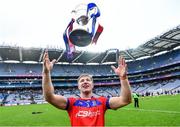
20 70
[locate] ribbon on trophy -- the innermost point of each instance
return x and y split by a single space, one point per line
94 16
69 46
80 37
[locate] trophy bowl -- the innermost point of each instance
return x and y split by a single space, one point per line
80 37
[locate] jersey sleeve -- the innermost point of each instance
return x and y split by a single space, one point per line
105 102
70 102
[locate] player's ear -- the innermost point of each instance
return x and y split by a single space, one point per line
78 86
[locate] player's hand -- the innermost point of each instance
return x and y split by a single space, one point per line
121 70
47 64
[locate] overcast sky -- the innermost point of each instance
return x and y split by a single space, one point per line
127 23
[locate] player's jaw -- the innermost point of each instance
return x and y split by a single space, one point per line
86 87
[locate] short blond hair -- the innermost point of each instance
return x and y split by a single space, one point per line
85 75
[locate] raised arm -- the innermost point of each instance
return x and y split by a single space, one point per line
48 89
125 96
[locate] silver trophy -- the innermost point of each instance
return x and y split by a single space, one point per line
82 31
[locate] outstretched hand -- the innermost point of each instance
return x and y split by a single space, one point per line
47 64
121 70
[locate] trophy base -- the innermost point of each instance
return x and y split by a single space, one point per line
80 37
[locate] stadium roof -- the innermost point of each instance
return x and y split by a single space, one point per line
167 41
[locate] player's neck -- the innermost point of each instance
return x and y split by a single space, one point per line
86 95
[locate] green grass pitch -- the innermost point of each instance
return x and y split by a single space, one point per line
153 111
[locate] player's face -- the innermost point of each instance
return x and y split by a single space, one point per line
85 84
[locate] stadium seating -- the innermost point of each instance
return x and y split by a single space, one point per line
20 83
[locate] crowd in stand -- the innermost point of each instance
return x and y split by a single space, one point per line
34 96
148 71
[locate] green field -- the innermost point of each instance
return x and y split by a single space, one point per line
153 111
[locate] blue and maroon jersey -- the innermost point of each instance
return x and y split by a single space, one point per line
87 112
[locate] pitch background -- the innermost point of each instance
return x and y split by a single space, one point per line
153 111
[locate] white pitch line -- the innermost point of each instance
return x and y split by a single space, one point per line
149 110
